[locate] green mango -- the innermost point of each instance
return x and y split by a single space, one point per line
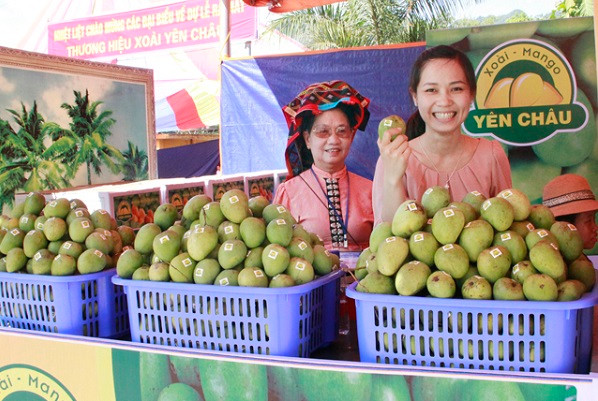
282 384
178 392
186 370
250 381
390 388
382 231
165 215
547 392
154 375
426 388
485 390
334 385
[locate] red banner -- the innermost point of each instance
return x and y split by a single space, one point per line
175 25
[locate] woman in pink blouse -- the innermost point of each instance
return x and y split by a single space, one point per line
320 193
434 151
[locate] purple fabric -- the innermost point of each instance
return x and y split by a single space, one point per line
189 161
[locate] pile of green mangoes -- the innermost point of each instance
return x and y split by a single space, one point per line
59 238
500 248
237 241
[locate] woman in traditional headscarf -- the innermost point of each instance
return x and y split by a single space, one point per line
320 193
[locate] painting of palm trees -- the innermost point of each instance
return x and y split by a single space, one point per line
67 123
85 142
134 165
26 162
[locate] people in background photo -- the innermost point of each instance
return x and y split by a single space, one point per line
321 194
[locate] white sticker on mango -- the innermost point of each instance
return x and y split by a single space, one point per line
98 253
571 227
37 256
486 204
228 246
281 209
553 245
448 213
418 237
228 229
85 224
53 203
412 206
223 281
428 191
495 253
447 247
15 231
234 199
199 272
542 233
302 245
507 193
258 273
300 266
390 239
475 193
187 262
505 236
162 240
67 245
79 213
273 254
530 227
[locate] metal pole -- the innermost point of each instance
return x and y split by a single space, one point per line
225 27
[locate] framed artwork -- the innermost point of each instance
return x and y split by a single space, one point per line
68 123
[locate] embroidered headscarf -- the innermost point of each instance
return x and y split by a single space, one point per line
313 100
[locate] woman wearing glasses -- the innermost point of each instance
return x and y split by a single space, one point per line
319 192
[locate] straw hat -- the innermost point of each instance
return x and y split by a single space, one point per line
569 194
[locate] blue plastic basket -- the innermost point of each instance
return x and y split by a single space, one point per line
527 336
87 305
291 321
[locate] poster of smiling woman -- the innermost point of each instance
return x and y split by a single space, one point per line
68 123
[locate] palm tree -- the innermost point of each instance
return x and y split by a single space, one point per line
134 167
574 8
86 140
25 161
366 22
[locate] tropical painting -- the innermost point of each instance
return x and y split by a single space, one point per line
62 130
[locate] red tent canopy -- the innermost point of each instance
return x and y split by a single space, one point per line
283 6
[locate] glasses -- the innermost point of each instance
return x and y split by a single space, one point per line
325 131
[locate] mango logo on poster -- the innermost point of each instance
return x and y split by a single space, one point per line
526 94
28 383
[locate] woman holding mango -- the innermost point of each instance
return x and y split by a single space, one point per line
434 152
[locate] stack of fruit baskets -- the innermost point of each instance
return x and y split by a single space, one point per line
200 282
481 284
57 263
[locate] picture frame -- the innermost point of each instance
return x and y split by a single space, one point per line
55 86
